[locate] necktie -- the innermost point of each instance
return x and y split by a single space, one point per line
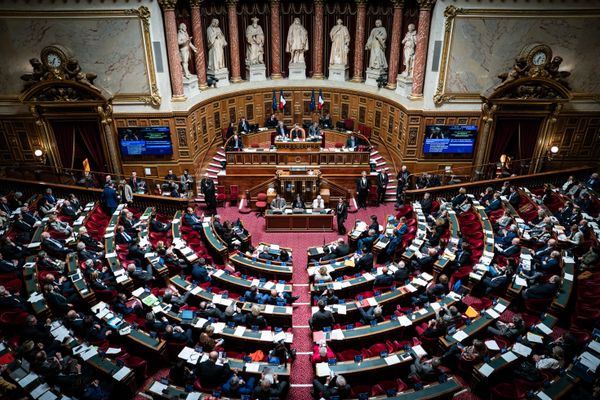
126 236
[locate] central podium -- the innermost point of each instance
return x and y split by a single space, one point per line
306 221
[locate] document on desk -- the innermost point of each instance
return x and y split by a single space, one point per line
219 326
391 360
460 335
27 379
323 369
492 345
521 349
239 331
404 321
486 370
253 367
157 388
419 350
337 334
509 356
266 336
269 308
122 373
532 337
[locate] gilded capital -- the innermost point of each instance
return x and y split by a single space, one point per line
275 3
231 2
361 2
195 3
398 3
426 4
167 4
319 2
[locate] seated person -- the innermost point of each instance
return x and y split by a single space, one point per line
321 318
490 283
351 142
236 386
326 122
89 241
191 219
322 275
318 203
235 143
425 370
509 330
269 387
254 296
367 241
314 132
328 296
335 387
472 354
280 299
544 290
341 250
244 126
298 203
53 246
281 131
365 263
370 315
322 353
59 226
278 204
297 133
495 204
433 291
255 319
425 263
211 373
271 121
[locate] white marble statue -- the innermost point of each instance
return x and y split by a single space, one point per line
185 44
297 42
256 40
410 44
216 43
340 44
376 45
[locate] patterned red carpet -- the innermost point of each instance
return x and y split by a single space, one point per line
302 370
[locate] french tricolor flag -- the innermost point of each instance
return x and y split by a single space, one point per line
281 100
321 100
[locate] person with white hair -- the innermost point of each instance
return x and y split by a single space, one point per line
318 203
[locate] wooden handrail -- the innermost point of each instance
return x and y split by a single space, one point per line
529 180
167 205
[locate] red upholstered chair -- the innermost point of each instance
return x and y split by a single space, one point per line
234 193
221 194
261 204
224 134
339 145
254 145
349 124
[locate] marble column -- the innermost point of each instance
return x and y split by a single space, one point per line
175 69
395 45
359 45
317 41
275 40
425 7
234 41
198 36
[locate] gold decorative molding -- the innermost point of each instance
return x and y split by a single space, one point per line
426 4
452 12
398 3
167 4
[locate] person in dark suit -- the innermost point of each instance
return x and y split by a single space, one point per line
385 279
425 263
50 197
426 204
297 133
370 315
342 249
31 217
38 332
54 246
335 386
211 374
255 319
502 279
593 182
68 210
514 198
463 257
351 142
191 220
326 122
367 241
365 263
243 126
158 226
138 274
122 237
511 250
460 198
109 199
270 388
495 204
208 189
7 266
84 254
134 182
176 334
298 203
13 251
402 273
56 300
341 212
362 190
271 122
382 182
545 290
22 227
235 144
281 130
321 318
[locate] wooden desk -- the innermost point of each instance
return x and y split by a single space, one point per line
429 392
298 146
298 222
261 268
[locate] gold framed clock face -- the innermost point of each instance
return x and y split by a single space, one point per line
55 56
537 55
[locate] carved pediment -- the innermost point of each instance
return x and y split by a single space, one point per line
535 75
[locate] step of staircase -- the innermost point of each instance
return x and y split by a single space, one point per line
215 165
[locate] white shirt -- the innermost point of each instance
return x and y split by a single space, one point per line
318 203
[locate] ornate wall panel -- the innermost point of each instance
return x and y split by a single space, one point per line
114 44
480 44
578 139
19 137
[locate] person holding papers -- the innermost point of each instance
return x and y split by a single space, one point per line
314 132
555 360
425 263
425 370
433 291
318 203
176 334
365 262
473 354
281 131
328 297
278 204
502 279
335 387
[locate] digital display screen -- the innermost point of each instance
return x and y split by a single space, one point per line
145 141
449 139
